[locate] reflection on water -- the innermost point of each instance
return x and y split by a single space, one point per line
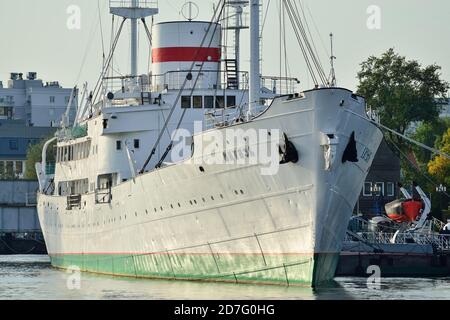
32 277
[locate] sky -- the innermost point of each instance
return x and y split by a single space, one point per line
35 36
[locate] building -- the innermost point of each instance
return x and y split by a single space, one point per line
445 113
30 110
15 137
381 185
37 103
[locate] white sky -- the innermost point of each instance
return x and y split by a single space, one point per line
34 37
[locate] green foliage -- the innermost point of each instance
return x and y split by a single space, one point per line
439 166
404 93
430 134
401 91
34 155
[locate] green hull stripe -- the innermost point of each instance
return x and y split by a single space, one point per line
283 269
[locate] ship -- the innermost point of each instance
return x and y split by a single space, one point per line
197 172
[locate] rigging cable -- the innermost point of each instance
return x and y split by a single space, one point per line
379 125
158 140
108 61
309 32
414 166
307 42
302 47
170 146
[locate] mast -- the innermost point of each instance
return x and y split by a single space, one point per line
134 44
255 82
237 37
134 10
332 58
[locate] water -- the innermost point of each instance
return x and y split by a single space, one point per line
32 277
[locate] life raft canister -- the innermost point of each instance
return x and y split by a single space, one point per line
404 210
412 209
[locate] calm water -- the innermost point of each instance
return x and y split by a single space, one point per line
32 277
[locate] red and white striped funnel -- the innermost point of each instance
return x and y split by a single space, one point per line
176 45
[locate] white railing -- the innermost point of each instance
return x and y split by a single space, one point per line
222 117
129 4
281 85
440 241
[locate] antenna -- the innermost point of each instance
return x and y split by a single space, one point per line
190 11
332 58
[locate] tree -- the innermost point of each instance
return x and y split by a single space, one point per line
34 155
439 167
401 91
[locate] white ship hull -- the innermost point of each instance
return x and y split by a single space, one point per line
228 223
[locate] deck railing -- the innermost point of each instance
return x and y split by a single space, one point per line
129 4
439 241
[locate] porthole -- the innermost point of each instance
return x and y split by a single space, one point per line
202 169
221 195
135 214
171 205
162 209
179 205
195 201
203 199
212 198
242 192
146 211
190 201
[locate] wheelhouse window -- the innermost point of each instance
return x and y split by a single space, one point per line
197 102
231 101
137 143
209 102
220 102
185 102
118 145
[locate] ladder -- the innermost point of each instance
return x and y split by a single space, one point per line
232 74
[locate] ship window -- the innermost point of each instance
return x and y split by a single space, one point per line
367 189
231 101
220 102
137 143
209 102
390 190
185 102
118 145
52 99
197 102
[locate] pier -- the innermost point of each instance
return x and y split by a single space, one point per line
20 231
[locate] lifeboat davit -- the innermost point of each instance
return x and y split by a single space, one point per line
404 210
